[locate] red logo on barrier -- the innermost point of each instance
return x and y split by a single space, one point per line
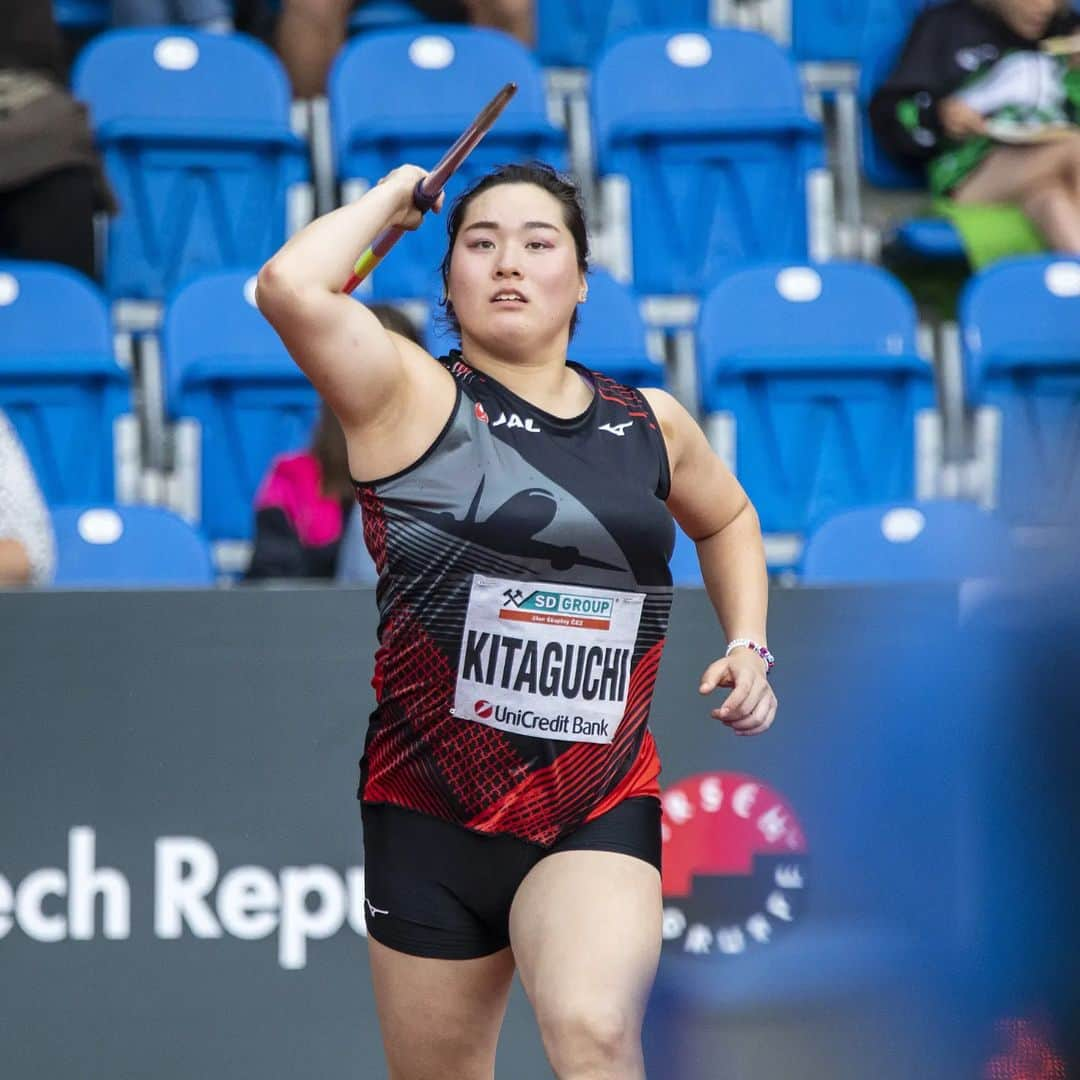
734 861
483 709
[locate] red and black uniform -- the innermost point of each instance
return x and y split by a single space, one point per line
524 595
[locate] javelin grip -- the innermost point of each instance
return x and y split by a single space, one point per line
421 199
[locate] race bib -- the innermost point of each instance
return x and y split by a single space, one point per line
552 661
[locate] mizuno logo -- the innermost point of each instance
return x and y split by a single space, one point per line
617 429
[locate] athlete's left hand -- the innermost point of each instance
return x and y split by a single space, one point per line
751 706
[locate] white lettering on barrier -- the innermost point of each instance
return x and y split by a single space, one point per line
80 886
300 922
247 902
30 905
7 900
185 870
302 903
86 882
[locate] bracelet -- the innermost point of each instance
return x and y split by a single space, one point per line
746 643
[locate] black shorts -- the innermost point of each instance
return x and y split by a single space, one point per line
434 888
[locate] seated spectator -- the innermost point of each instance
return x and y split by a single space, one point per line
302 506
977 97
212 15
310 32
51 179
27 545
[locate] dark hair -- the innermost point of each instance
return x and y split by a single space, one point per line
561 187
328 440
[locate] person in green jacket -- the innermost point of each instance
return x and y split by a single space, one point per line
986 95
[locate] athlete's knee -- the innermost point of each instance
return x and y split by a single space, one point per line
589 1040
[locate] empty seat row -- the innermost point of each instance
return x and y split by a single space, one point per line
896 543
572 33
812 388
708 162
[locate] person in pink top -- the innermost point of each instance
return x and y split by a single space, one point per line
303 503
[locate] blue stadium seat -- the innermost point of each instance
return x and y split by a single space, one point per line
60 383
571 33
828 31
610 335
382 15
429 89
240 398
127 547
817 369
1020 324
82 15
195 133
905 543
887 26
717 149
685 568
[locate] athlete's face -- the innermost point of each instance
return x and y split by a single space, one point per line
514 277
1029 18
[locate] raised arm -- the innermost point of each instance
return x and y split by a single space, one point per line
377 383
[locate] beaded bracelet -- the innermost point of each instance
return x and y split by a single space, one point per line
761 650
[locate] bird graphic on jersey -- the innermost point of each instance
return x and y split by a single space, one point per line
512 528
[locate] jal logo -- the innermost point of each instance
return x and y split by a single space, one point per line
734 865
554 608
483 709
512 420
481 415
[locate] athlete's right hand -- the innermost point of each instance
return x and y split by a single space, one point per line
403 180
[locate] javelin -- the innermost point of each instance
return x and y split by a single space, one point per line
429 189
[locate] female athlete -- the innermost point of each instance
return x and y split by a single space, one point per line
519 510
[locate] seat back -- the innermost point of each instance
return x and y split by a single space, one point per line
610 334
226 369
430 90
81 15
905 543
571 33
194 129
716 146
1020 326
60 383
828 30
684 565
819 370
128 547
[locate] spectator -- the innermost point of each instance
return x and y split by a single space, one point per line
302 506
992 115
310 32
27 546
51 180
212 15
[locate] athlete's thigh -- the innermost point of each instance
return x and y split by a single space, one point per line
1008 173
440 1018
585 927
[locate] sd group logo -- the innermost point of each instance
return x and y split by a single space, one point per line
735 865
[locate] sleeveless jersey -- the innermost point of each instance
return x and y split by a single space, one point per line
523 596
